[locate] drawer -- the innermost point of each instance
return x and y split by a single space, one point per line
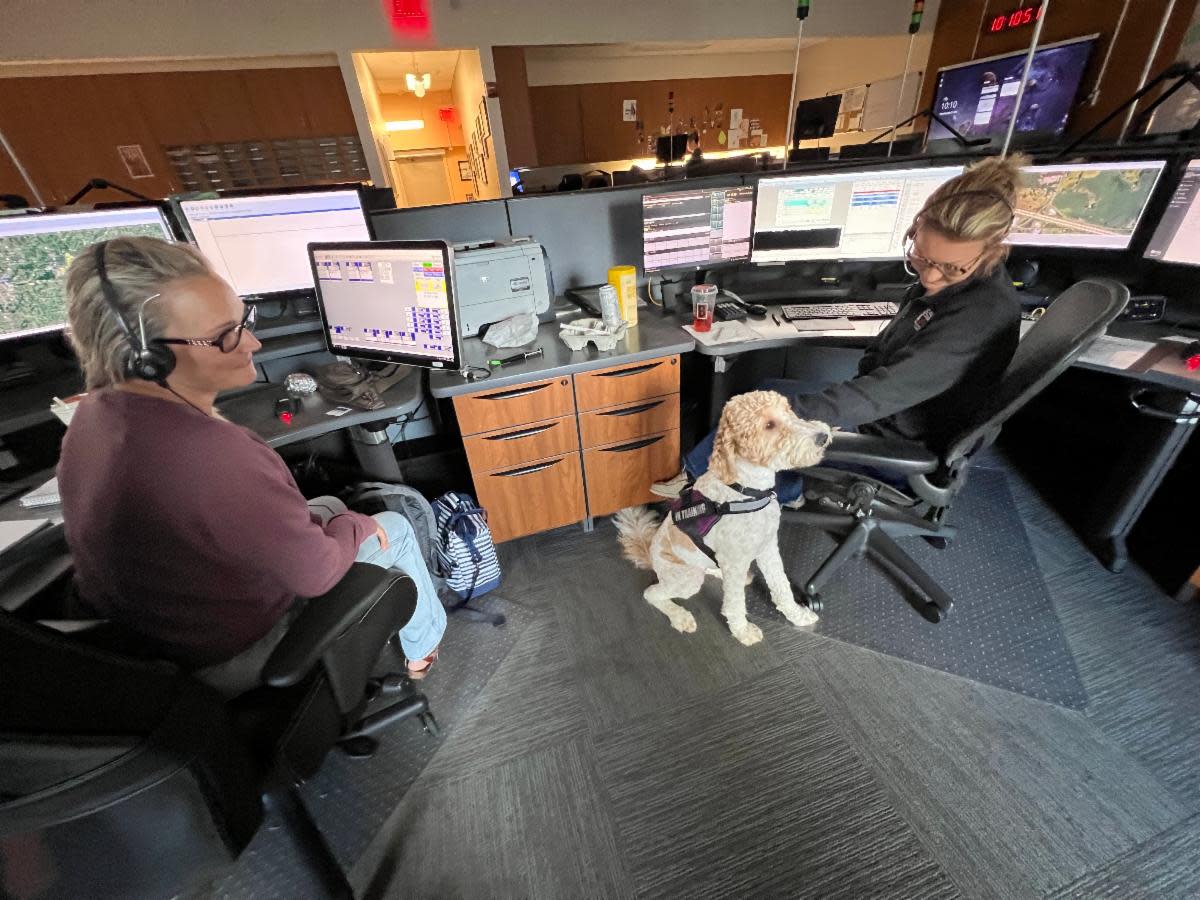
532 497
629 420
509 447
517 405
620 474
627 383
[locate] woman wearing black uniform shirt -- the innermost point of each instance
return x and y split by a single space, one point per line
925 376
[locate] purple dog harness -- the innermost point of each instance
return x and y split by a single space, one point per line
695 515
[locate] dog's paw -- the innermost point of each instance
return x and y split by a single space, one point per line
748 634
682 620
800 616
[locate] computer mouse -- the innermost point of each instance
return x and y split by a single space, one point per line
755 309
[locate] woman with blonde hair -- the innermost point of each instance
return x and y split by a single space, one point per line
185 529
925 377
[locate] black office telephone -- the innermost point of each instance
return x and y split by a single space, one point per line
729 311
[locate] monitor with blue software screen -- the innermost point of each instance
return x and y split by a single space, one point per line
389 301
977 98
35 250
259 242
840 215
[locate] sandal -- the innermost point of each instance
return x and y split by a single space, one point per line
419 668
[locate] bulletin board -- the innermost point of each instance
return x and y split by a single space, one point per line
879 110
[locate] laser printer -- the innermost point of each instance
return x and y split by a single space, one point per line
498 279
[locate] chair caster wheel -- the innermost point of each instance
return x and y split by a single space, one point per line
813 602
938 543
359 747
430 724
930 612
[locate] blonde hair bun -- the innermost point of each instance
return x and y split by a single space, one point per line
979 204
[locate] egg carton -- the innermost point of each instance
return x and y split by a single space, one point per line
579 333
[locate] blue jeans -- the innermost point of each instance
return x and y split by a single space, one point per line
789 484
424 630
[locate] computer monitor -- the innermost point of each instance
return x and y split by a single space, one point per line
1177 237
1093 206
977 98
905 146
389 301
844 215
816 118
259 242
670 148
35 250
696 229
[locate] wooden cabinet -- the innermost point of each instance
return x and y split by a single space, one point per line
553 452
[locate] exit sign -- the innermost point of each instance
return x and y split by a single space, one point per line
1026 15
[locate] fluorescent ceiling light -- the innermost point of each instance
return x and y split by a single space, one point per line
405 125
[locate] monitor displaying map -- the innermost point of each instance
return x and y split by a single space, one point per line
1094 206
35 250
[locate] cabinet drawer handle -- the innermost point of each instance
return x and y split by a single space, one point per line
633 410
528 470
624 373
636 445
516 392
523 433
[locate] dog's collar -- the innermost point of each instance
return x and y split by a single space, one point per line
753 492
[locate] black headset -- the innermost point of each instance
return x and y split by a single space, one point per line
144 359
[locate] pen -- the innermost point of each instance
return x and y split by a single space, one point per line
776 318
516 357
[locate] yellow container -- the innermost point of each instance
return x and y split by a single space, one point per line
624 279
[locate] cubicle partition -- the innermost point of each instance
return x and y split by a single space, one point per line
459 223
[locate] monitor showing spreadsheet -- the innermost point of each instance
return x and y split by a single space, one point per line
1177 237
696 229
1091 206
259 242
845 215
35 250
391 301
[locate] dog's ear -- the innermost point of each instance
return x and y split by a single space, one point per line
722 462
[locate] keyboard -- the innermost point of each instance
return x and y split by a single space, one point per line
880 310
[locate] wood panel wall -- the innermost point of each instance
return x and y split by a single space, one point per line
960 22
575 123
66 129
516 108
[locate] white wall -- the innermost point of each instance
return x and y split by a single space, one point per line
106 29
547 66
468 89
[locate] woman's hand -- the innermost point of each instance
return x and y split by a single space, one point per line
383 538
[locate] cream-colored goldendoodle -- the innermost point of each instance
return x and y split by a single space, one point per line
758 435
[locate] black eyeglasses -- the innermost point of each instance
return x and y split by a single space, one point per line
227 341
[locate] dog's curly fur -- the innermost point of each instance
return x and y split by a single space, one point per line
758 435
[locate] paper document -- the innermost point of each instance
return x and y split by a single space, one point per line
1114 352
12 533
860 328
734 332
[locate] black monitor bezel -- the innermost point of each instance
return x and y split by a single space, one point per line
711 264
422 362
185 227
1019 138
10 338
1179 172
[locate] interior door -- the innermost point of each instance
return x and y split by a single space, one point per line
422 179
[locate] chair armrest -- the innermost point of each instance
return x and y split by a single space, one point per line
893 454
324 619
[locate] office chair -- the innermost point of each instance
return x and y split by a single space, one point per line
869 514
123 775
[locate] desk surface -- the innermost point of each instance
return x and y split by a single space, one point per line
654 336
256 410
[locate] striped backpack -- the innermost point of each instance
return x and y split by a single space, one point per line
466 554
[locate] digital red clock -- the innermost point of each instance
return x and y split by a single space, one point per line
1026 15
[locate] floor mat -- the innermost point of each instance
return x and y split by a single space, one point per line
1003 629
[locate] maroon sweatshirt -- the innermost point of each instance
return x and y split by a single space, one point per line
189 530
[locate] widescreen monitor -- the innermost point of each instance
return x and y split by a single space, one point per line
35 250
389 301
849 215
1092 206
977 98
1177 237
816 118
696 229
259 242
